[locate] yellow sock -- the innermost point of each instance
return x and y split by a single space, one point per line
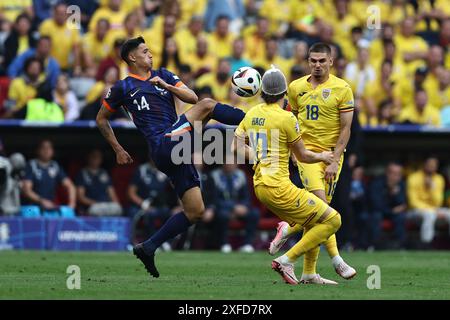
331 245
295 229
310 260
318 234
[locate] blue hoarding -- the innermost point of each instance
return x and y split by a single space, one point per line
64 234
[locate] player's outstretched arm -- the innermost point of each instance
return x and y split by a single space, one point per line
242 149
105 128
181 92
307 156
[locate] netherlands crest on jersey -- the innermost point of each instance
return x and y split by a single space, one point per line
326 93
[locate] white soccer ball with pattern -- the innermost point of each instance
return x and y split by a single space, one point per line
246 82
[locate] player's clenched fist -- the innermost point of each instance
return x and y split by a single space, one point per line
157 81
123 157
327 157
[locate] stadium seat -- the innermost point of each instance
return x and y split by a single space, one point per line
66 212
30 211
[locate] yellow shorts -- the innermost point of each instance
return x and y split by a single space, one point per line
292 204
313 177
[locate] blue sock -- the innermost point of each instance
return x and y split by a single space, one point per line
176 224
227 114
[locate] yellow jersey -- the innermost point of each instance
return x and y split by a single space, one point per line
21 92
419 197
63 38
270 130
221 46
319 110
430 116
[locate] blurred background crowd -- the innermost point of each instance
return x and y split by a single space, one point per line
395 54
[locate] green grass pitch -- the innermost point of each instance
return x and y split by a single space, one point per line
217 276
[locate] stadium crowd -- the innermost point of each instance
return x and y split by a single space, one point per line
398 70
57 63
398 196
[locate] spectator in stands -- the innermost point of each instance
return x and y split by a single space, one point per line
42 52
387 200
202 61
326 35
234 10
425 190
232 201
131 29
339 66
188 37
386 33
156 37
97 92
113 60
413 49
435 60
95 192
42 107
390 54
24 88
221 39
386 112
66 98
112 13
350 48
342 21
421 112
19 40
443 91
10 10
255 41
405 88
67 37
381 89
297 72
151 197
151 10
300 55
95 46
171 56
272 57
359 75
236 59
219 81
168 8
43 175
442 38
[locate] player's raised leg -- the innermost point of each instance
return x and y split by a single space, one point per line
207 109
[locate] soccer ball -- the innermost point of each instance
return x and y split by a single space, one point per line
246 82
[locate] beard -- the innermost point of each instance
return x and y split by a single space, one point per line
222 76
